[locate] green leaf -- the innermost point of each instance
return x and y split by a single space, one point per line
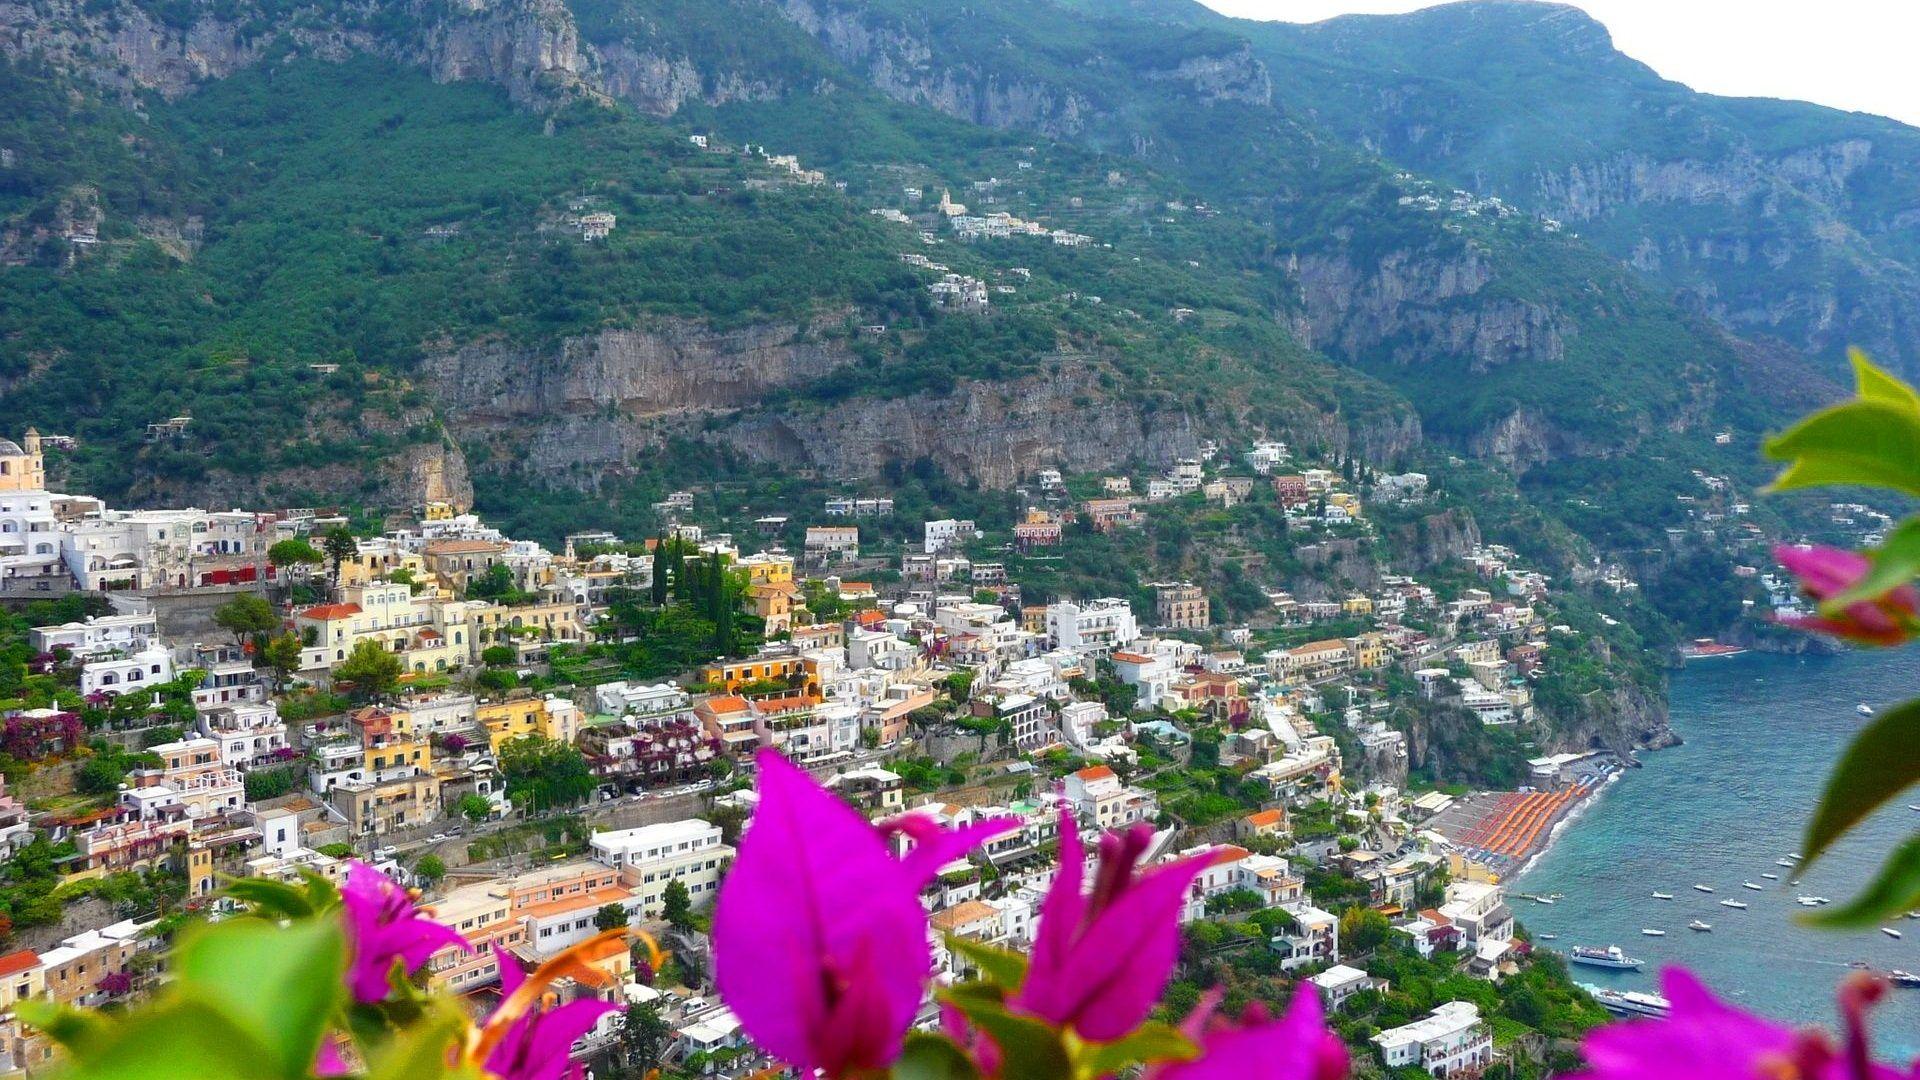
1894 563
1874 383
1028 1047
79 1030
420 1050
270 898
183 1037
1154 1041
1004 967
1894 890
284 982
1873 442
932 1057
1878 765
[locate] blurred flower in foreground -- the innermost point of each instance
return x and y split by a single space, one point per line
1827 572
383 925
820 942
1704 1038
1297 1046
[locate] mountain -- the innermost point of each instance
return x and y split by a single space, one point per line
341 237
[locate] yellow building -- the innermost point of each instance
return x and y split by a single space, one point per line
555 718
774 603
494 624
765 569
1369 651
22 467
427 633
1345 500
1356 605
793 670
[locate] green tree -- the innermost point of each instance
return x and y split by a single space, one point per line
431 868
282 656
644 1038
610 917
474 807
295 554
339 546
659 587
372 670
246 616
542 773
498 655
101 775
676 906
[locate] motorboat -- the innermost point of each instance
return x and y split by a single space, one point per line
1609 957
1771 877
1703 888
1903 978
1751 885
1663 896
1630 1002
1811 901
1863 709
1783 862
1698 925
1653 933
1739 904
1890 932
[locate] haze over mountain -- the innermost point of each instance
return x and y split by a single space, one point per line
1277 245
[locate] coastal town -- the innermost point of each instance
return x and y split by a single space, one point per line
216 695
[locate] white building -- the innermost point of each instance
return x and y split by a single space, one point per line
1340 982
1100 799
97 636
943 534
151 665
1097 627
648 858
1446 1041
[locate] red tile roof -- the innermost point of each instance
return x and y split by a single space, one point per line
18 962
330 611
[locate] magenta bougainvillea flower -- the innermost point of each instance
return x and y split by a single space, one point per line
820 942
1100 960
1826 572
1704 1038
1297 1046
383 925
538 1042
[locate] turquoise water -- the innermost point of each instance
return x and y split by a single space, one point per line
1761 732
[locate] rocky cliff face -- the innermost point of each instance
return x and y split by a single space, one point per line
1411 306
1622 718
592 406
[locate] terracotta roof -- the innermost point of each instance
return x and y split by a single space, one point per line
1094 772
15 962
465 547
1226 853
1266 817
953 918
330 611
726 703
1132 658
599 898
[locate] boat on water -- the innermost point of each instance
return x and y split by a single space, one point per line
1783 862
1811 901
1548 900
1890 932
1653 933
1609 957
1548 937
1863 709
1751 885
1903 978
1708 649
1740 904
1703 888
1663 896
1771 877
1698 925
1629 1002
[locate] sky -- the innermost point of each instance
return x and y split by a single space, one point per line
1850 54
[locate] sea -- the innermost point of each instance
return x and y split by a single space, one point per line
1761 732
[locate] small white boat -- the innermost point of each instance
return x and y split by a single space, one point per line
1811 901
1548 900
1751 885
1783 862
1741 904
1913 806
1703 888
1890 931
1794 855
1548 937
1698 925
1653 933
1863 709
1771 877
1663 896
